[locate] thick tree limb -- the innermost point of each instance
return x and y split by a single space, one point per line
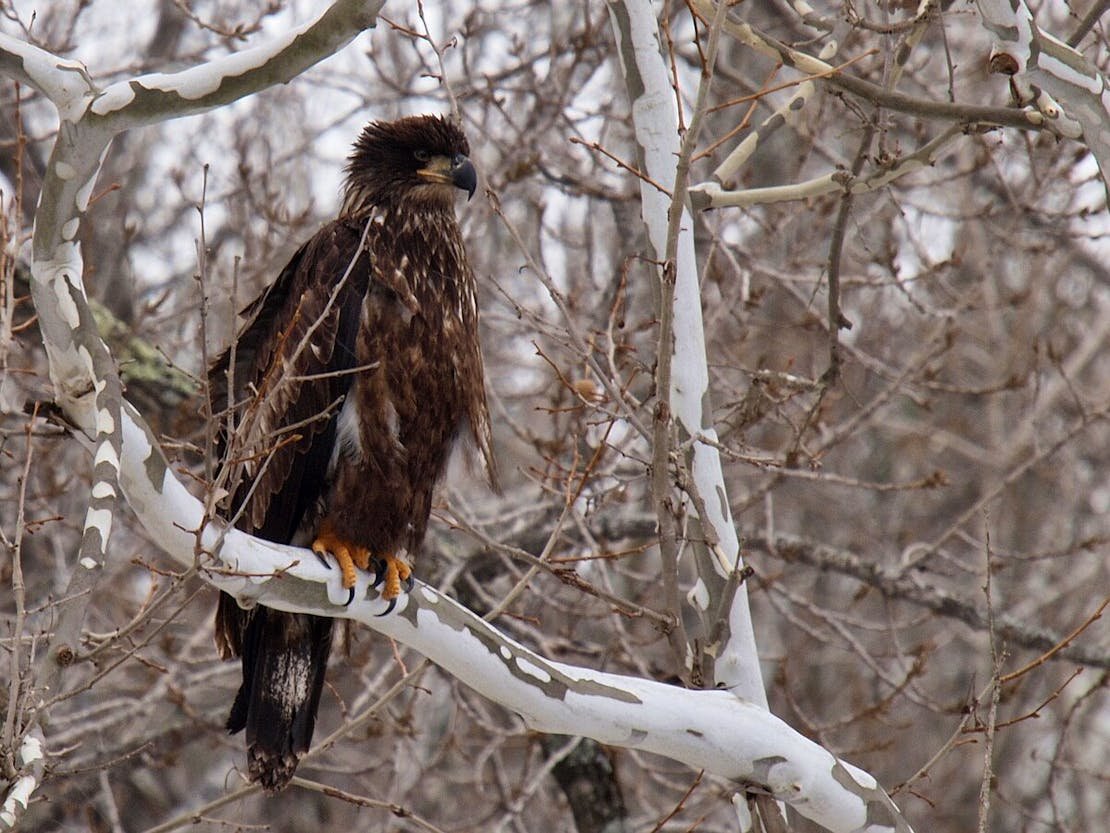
717 552
682 375
158 97
712 730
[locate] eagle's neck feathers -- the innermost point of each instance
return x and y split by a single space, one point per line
361 198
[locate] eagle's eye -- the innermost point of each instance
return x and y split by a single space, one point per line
422 155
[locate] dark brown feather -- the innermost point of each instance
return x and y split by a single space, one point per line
293 362
342 398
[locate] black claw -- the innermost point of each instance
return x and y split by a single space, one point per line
350 598
410 583
388 610
323 560
379 571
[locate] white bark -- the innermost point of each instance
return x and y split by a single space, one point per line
31 760
83 374
655 118
1066 88
710 730
708 195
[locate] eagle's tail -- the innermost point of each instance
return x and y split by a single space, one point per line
285 656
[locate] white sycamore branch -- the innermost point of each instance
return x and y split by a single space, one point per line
708 195
1057 89
655 119
1048 74
31 762
670 229
711 730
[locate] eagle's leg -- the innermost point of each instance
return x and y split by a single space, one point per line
348 555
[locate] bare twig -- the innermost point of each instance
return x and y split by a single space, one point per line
997 659
632 169
1058 647
398 810
18 695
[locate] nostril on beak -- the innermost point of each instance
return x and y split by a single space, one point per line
464 175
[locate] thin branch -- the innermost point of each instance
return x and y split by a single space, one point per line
896 584
997 659
398 810
193 817
17 692
964 114
632 169
1058 647
837 321
786 85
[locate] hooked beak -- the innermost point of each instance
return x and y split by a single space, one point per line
463 175
457 171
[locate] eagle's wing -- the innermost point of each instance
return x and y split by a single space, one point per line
278 389
288 373
477 411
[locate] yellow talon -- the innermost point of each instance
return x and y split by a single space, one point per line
347 555
396 571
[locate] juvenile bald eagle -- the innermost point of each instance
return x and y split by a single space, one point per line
341 397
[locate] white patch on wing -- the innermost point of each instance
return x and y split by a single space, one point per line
393 423
348 437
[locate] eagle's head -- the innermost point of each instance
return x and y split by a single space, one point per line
414 161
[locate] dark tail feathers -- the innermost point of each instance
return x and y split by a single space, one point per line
285 657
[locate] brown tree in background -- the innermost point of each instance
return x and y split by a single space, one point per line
898 219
